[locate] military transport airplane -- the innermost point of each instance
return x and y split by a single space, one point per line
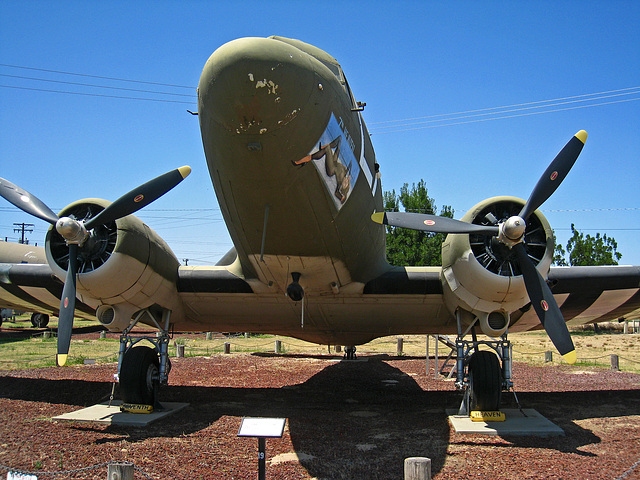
298 184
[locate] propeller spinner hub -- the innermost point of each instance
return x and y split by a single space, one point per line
72 230
512 231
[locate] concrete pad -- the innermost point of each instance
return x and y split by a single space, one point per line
531 423
111 415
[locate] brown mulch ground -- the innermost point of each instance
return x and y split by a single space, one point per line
346 420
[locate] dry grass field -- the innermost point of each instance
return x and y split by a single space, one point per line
24 347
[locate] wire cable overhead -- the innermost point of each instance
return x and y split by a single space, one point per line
33 83
505 111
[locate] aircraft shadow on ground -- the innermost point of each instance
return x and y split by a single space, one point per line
352 419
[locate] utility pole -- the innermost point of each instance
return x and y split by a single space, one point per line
23 227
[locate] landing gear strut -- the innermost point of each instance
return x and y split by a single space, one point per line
142 369
349 353
482 374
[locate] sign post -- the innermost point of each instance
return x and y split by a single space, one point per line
262 428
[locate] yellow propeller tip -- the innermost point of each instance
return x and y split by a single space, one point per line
570 357
185 171
378 217
582 136
61 359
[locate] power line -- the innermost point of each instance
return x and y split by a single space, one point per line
593 209
98 95
505 117
11 208
22 229
389 126
97 86
498 116
93 76
509 106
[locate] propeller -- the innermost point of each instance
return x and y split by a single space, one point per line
511 233
431 223
76 232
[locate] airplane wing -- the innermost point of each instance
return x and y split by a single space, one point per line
34 288
215 298
591 295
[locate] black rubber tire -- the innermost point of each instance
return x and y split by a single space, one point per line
485 381
140 366
39 320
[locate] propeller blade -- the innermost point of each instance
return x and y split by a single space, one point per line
139 197
67 307
554 174
546 306
431 223
26 202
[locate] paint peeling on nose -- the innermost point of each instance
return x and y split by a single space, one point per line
255 86
268 84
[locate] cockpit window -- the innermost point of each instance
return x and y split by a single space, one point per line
322 56
336 70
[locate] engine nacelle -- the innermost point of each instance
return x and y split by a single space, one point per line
123 267
480 275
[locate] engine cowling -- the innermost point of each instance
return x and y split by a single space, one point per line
123 267
481 277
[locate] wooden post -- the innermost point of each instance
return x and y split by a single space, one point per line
209 336
103 334
428 337
120 471
278 346
399 346
548 356
626 327
615 363
417 468
338 348
227 347
179 351
436 360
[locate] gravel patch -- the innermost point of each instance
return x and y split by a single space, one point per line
344 422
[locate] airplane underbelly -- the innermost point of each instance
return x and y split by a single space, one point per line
351 320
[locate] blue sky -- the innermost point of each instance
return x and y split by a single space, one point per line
405 59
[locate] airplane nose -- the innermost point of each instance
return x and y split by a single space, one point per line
255 86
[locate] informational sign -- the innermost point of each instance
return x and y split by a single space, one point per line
262 427
20 476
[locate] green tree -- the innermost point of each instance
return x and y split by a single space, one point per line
411 247
587 250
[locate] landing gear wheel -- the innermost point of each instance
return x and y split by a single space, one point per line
349 353
39 320
485 381
139 376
